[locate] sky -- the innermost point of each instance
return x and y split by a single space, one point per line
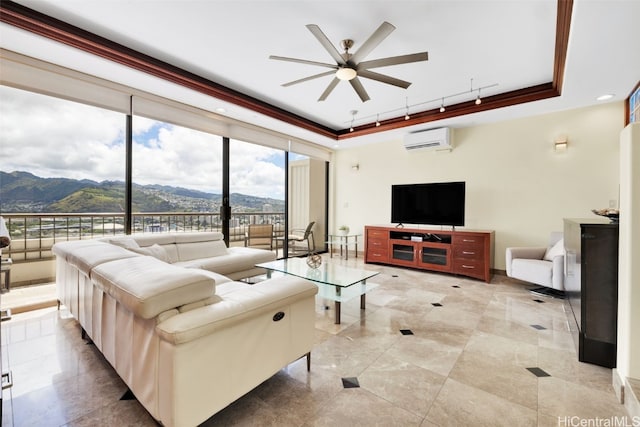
50 137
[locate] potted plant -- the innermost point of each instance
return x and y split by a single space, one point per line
343 229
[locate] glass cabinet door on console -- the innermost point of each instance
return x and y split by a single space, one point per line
403 254
430 251
435 256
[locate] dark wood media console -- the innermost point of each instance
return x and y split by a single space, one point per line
468 253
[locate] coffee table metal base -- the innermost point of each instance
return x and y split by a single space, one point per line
339 304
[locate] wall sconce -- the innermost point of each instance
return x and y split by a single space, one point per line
355 167
561 144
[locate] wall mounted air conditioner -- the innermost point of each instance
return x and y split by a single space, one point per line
433 139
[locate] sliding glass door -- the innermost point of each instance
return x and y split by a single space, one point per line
257 194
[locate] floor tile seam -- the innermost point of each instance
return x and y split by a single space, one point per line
413 365
572 357
466 347
596 390
65 405
375 360
302 421
506 399
518 339
395 405
493 395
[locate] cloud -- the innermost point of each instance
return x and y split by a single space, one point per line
50 137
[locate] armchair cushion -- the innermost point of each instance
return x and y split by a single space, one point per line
555 250
532 270
525 253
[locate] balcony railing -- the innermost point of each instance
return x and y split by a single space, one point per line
33 235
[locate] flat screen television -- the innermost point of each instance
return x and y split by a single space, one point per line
440 203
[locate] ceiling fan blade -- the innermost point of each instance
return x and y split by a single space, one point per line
326 73
372 42
357 86
329 89
303 61
324 41
393 60
384 78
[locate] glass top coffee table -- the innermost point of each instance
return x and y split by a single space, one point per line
335 282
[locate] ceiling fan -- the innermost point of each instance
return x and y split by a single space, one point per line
350 66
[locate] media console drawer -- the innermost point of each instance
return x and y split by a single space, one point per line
472 252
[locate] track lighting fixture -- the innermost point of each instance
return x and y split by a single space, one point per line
406 114
353 117
393 114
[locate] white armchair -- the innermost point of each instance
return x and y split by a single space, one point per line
542 266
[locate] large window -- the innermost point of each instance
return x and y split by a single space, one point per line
64 171
60 157
53 138
177 178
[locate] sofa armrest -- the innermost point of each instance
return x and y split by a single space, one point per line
246 302
523 252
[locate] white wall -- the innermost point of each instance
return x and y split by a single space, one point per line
628 362
516 183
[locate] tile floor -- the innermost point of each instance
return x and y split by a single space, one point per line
404 361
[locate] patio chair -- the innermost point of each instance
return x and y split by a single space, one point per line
298 236
259 236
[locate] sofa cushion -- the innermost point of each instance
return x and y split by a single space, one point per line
124 242
197 250
93 253
149 239
147 286
155 251
202 236
236 259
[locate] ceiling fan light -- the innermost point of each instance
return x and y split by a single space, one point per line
346 73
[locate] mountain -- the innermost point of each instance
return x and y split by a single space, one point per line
25 192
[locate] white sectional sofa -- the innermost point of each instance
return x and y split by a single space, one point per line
183 335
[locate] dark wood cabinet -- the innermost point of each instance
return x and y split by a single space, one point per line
591 285
468 253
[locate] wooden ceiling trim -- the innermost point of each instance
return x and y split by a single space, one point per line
507 99
563 25
38 23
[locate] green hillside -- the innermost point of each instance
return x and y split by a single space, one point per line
25 192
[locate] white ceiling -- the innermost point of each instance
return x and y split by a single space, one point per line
507 43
